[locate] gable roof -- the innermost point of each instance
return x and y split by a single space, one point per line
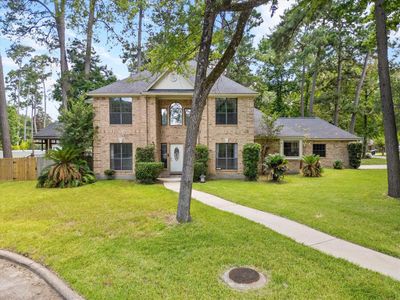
310 128
143 83
52 131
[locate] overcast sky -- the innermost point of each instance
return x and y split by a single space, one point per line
110 55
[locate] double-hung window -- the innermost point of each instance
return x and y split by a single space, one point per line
319 149
291 148
121 157
120 110
227 156
226 111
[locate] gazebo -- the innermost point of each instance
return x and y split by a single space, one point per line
49 136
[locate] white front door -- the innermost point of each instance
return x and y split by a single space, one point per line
176 158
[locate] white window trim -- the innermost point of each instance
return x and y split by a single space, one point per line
300 148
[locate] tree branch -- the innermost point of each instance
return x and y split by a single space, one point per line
231 49
240 6
45 7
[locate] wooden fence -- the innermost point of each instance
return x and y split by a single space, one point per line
18 168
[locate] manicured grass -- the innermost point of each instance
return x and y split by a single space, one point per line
373 161
351 204
119 240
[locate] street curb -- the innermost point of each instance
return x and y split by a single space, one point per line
51 279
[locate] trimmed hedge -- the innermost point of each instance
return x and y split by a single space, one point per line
147 172
201 162
355 153
251 157
145 154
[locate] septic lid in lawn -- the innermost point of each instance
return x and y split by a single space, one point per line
244 275
244 278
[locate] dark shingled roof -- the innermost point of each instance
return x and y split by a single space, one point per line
310 128
52 131
138 84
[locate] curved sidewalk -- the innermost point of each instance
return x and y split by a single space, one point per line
303 234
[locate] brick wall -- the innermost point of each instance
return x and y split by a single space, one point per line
334 150
146 129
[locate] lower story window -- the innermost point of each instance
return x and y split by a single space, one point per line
227 155
121 157
164 155
319 149
291 148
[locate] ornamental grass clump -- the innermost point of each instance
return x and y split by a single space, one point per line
311 166
277 166
68 170
338 164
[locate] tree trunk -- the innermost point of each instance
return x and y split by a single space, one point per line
202 87
60 24
25 121
5 127
389 121
89 38
338 86
303 75
139 51
314 84
44 103
365 140
358 93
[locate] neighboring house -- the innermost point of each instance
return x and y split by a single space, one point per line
49 137
147 109
304 136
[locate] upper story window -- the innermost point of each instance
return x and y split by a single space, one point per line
319 149
164 117
226 111
187 115
291 148
175 114
120 110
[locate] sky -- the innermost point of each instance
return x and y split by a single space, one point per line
110 56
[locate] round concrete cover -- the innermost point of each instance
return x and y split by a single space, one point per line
244 275
244 278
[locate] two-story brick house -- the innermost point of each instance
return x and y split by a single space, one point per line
155 109
149 109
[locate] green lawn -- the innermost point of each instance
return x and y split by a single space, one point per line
119 240
351 204
373 161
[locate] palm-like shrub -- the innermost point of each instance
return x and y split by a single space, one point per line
277 166
67 171
311 166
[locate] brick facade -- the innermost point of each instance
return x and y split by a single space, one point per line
146 129
335 149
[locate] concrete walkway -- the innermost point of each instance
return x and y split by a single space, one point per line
373 167
308 236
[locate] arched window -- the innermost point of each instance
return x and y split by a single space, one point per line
175 114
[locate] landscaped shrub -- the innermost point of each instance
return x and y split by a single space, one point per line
338 164
355 152
67 171
277 166
201 162
199 169
145 154
311 166
147 172
251 156
110 174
